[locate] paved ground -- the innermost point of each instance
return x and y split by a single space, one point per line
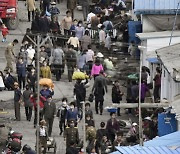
62 88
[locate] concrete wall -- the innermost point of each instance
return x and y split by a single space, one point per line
149 47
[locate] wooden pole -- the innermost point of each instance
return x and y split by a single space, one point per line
38 95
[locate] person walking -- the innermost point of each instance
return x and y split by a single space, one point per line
71 134
27 103
17 101
112 126
71 60
116 95
157 82
10 55
33 99
49 113
43 136
79 30
85 40
31 9
30 55
72 114
32 79
57 61
89 59
99 89
85 8
80 92
21 72
99 135
45 70
73 40
61 114
46 92
71 5
4 31
66 23
96 68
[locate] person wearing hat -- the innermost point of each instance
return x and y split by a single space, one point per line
133 133
61 114
99 89
17 101
71 134
49 111
54 10
43 136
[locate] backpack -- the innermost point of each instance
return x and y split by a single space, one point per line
109 26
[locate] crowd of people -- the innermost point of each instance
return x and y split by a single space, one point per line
77 53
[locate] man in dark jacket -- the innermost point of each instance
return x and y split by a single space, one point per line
27 103
49 113
71 60
99 89
79 92
72 149
116 95
21 72
71 134
112 126
17 101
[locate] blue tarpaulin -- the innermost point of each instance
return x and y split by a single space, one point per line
153 60
168 144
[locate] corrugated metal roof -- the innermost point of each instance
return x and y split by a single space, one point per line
170 57
168 144
147 150
169 140
155 6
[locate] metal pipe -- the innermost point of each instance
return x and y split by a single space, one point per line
140 116
174 23
38 95
84 129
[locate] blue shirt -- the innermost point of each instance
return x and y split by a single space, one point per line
72 114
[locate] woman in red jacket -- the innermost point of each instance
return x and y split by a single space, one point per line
33 99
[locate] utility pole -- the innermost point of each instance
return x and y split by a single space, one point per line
174 23
38 95
140 116
84 129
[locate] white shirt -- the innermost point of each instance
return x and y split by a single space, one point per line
89 16
1 82
73 41
89 55
42 131
30 55
102 36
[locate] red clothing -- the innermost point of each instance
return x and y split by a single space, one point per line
41 102
4 31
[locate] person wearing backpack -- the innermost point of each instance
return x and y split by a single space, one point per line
80 92
108 24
